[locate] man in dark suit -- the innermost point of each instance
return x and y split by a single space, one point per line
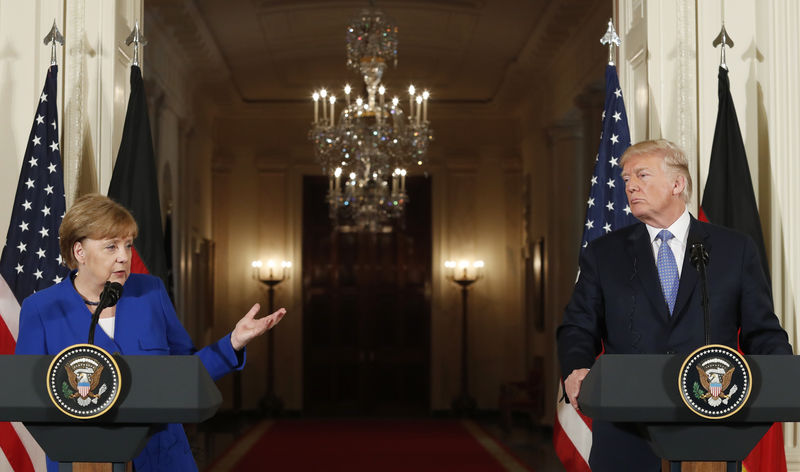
638 293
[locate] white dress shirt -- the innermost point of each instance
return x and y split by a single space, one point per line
680 231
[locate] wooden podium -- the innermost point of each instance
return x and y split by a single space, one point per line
155 390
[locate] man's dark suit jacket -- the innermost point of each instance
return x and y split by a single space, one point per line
618 306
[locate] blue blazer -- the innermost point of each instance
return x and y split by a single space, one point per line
618 305
146 324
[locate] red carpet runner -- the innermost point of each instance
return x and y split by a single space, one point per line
368 445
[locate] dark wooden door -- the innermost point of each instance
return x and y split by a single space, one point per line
366 310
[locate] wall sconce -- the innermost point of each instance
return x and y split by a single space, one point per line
273 275
464 274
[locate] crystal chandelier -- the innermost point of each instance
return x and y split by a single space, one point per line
367 149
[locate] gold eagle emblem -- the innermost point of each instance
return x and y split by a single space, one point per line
706 379
93 380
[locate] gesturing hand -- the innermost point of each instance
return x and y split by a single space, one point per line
249 327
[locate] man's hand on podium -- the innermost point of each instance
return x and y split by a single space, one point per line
572 386
249 327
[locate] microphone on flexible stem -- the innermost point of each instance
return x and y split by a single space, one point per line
699 257
108 297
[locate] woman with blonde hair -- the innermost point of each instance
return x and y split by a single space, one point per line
96 240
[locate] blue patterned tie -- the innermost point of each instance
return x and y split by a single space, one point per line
667 269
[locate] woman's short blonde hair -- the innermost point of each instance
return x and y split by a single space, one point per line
675 160
93 216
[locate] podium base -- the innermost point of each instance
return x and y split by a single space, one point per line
95 467
671 466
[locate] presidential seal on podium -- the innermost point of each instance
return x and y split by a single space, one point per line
83 381
715 381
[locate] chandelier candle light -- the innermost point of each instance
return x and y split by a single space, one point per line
371 142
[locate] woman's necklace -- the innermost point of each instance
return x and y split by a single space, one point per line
74 275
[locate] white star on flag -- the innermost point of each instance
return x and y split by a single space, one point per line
607 227
590 202
610 183
589 224
610 206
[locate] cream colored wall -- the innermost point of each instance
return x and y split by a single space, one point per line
676 88
92 87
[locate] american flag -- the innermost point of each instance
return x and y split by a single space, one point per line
606 210
31 260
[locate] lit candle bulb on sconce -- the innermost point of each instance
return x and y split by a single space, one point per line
464 272
273 275
347 94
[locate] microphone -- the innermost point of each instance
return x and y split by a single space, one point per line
110 295
699 257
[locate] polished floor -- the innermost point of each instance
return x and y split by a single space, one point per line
215 438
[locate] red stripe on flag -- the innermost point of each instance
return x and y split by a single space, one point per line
569 456
768 455
702 216
585 419
14 450
137 264
7 343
